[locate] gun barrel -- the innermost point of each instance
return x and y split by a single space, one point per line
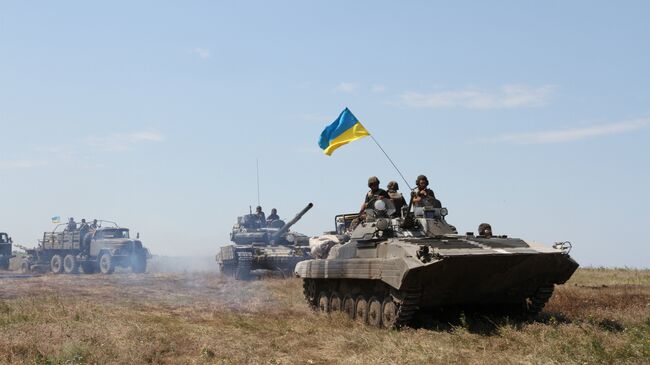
290 223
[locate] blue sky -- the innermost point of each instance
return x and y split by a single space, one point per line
533 117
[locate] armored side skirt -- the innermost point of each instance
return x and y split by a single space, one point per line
457 279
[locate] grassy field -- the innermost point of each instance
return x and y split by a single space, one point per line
600 316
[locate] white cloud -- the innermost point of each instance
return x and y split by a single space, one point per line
201 52
346 87
124 141
20 164
378 88
574 134
508 96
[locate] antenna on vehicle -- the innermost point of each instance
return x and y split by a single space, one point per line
257 170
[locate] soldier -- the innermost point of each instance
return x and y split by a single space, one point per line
396 197
94 225
84 234
374 193
485 230
273 216
72 225
423 196
260 216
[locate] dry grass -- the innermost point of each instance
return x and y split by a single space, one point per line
600 316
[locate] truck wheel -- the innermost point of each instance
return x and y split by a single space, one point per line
88 267
106 264
139 264
25 268
70 264
56 264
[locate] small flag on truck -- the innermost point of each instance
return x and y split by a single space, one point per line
56 219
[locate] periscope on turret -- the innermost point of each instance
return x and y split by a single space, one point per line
394 265
258 247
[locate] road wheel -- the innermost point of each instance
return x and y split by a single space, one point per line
139 264
361 309
70 264
88 267
243 270
388 313
56 264
106 264
324 302
335 302
25 267
374 312
349 307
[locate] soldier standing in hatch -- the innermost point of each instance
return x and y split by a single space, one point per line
273 216
260 216
396 197
422 195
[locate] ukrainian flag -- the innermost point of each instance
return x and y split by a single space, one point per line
345 129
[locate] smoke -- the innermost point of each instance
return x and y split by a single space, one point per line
182 264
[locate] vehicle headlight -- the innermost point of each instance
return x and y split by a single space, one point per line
380 205
443 211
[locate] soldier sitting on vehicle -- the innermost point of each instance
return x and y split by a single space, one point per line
485 230
373 195
273 216
94 224
396 197
423 196
72 225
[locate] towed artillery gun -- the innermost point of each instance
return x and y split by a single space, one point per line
259 246
5 250
396 266
103 249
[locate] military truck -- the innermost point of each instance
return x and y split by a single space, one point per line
5 250
103 249
263 246
396 265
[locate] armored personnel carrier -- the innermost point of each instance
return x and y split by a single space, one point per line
261 246
393 267
5 250
102 249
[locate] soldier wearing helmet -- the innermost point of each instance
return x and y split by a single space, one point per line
374 193
371 196
260 217
395 196
423 196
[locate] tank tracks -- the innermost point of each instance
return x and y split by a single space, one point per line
387 308
538 300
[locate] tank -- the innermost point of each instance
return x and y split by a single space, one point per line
395 265
263 246
5 250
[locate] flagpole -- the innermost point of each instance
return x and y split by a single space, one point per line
391 161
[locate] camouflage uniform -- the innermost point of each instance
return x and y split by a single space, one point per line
424 197
396 197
